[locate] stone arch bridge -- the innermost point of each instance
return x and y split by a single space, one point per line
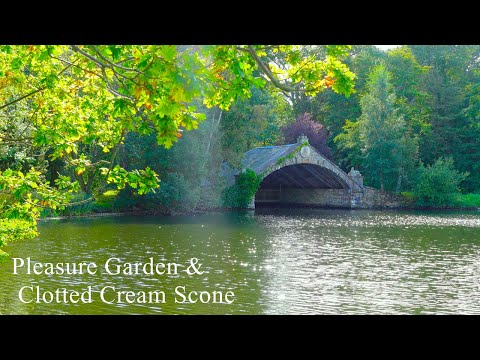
297 174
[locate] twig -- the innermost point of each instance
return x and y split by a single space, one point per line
32 92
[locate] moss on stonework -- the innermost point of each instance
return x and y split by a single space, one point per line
292 154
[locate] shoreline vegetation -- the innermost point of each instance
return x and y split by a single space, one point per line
226 209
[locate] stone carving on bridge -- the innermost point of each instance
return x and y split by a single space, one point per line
305 151
353 172
356 176
302 139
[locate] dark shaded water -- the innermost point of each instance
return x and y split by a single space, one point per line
300 261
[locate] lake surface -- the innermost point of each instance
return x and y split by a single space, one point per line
299 261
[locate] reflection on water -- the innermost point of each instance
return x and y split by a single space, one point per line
300 261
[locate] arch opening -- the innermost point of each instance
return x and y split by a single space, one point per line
303 185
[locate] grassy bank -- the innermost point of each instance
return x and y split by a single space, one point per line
104 203
467 200
457 201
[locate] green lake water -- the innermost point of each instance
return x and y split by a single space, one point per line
300 261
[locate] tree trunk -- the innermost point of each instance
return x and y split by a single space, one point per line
214 129
81 182
399 183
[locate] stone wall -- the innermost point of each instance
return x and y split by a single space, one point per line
318 197
372 198
340 198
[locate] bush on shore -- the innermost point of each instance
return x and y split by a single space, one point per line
438 185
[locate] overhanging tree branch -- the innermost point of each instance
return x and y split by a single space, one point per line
268 73
112 64
88 56
32 92
265 69
22 97
103 66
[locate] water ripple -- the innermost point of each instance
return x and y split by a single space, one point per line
280 262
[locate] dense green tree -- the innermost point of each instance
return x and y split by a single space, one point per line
468 154
388 152
452 85
251 123
408 77
189 169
